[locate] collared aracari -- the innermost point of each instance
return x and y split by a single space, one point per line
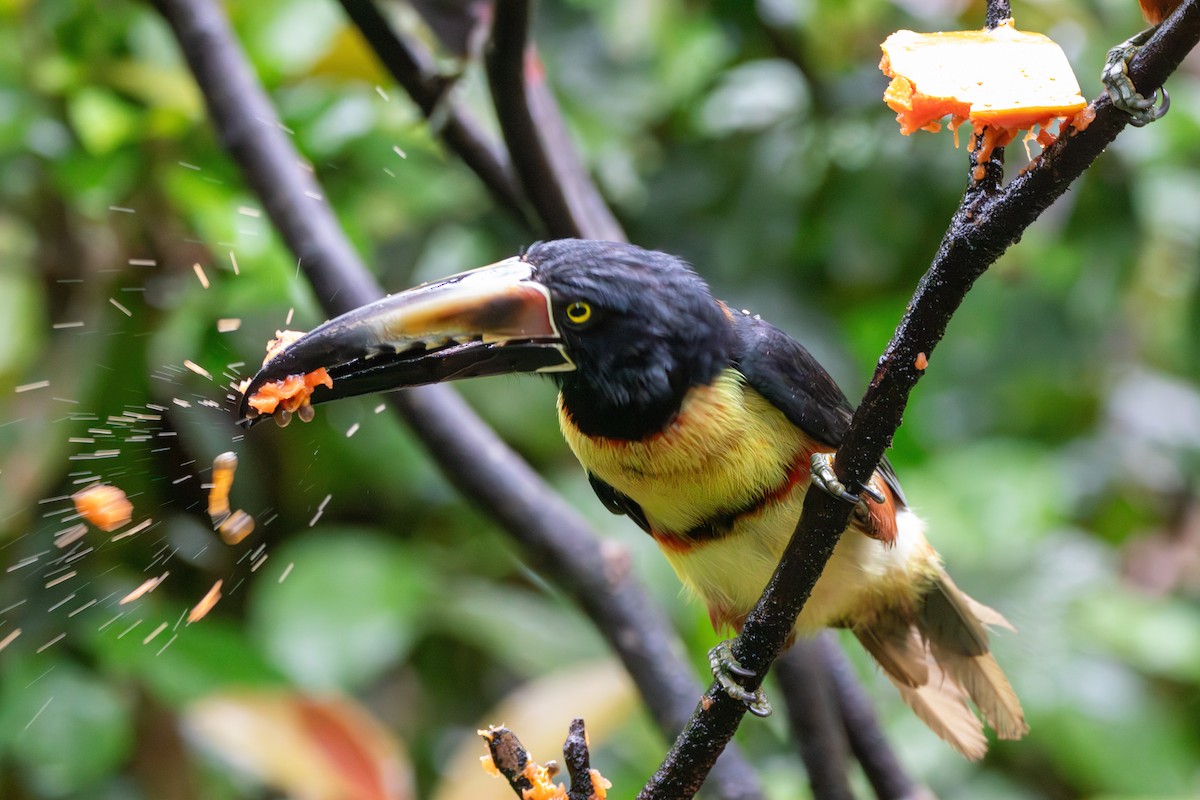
699 423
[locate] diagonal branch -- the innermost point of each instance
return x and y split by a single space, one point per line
982 229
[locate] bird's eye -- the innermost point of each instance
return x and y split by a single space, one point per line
578 312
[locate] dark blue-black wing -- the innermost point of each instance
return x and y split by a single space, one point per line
618 503
786 374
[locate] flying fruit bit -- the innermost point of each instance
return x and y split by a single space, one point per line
148 585
206 604
224 467
104 506
290 395
233 526
237 527
1000 80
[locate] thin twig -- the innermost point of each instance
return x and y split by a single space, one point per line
989 175
554 537
509 757
578 758
592 213
982 229
516 765
997 12
552 146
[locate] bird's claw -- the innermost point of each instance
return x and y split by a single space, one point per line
1121 90
821 471
821 467
870 491
726 669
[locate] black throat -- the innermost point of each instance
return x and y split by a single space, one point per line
640 396
595 415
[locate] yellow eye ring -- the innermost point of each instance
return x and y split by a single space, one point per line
578 312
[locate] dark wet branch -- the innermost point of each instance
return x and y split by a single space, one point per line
509 61
554 538
985 225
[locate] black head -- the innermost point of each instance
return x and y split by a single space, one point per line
641 326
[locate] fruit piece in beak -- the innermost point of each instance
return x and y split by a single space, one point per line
489 321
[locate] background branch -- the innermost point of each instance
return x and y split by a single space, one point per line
413 69
815 719
867 742
554 538
549 167
982 229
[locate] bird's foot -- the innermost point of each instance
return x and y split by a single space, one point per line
821 471
726 669
1120 88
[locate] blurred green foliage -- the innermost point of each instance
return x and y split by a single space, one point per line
1054 445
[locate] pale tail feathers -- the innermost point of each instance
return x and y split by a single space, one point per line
902 654
976 671
942 705
984 681
946 641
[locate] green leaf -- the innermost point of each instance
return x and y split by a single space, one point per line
988 501
209 655
1150 755
348 610
1160 636
517 626
21 322
65 727
101 120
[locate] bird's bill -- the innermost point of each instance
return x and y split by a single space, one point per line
488 321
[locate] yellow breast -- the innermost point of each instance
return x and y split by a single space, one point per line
726 447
